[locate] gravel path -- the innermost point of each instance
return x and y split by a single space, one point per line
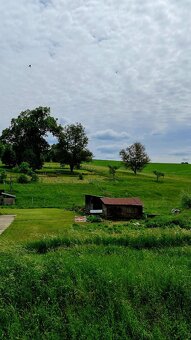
5 221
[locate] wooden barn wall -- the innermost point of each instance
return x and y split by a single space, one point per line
9 201
122 212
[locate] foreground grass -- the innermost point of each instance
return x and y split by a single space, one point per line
96 292
63 280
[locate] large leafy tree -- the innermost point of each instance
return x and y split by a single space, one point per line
8 156
72 146
53 153
2 147
27 135
135 157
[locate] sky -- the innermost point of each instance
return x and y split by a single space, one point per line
121 68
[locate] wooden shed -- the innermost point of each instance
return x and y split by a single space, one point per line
93 204
114 208
6 199
122 208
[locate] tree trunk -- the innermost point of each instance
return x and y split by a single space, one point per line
71 168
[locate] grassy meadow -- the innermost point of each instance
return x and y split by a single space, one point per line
103 280
57 188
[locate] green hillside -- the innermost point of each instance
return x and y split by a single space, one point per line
103 280
57 188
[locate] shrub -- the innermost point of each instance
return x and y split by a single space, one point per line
81 177
3 176
158 174
16 169
25 168
30 172
78 209
34 177
23 179
112 170
168 221
182 222
94 218
186 200
157 222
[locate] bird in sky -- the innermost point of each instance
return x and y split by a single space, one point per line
30 65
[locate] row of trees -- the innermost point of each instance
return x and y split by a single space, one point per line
26 141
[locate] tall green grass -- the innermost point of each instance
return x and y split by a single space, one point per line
95 293
137 241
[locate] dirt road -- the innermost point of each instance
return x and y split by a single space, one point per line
5 221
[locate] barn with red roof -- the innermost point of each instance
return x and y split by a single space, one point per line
115 208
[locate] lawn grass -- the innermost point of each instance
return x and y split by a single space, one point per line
31 224
108 280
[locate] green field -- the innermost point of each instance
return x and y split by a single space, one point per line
108 280
57 188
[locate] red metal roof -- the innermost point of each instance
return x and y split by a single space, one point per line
122 201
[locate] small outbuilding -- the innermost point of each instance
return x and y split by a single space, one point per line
6 199
122 208
114 208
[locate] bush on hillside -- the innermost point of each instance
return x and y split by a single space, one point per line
34 177
24 179
94 218
158 222
25 168
169 221
158 174
3 176
81 177
186 200
16 169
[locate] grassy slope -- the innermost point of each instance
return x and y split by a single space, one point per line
126 282
57 190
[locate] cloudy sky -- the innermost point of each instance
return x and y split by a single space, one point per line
121 68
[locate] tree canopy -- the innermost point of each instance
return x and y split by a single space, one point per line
25 138
72 146
8 156
1 149
135 157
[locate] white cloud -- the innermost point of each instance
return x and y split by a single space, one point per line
114 66
110 134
